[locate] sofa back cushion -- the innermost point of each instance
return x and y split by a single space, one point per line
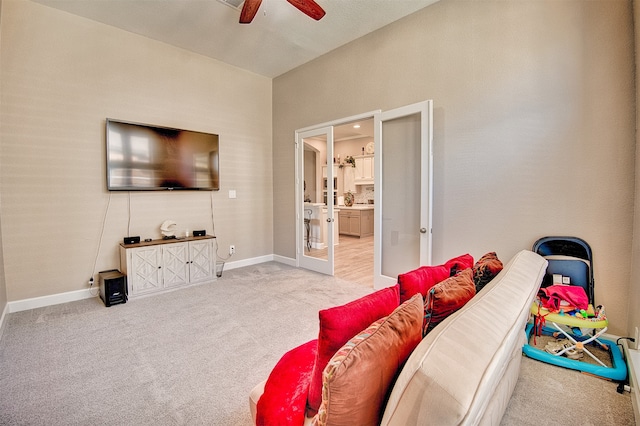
341 323
452 375
358 377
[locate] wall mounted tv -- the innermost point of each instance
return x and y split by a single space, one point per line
142 157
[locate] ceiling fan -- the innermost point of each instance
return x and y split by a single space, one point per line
308 7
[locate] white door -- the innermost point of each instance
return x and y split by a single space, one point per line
316 194
403 196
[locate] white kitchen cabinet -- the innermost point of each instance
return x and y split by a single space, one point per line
364 170
337 184
160 265
349 178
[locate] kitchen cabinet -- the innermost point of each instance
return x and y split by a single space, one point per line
337 184
349 179
364 170
356 222
159 265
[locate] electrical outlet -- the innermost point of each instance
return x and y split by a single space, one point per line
232 249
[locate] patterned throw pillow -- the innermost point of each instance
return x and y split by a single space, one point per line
358 377
447 297
485 269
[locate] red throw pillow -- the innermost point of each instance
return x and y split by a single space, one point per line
447 297
485 269
358 377
285 393
339 324
421 280
459 263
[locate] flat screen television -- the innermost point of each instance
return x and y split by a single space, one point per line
141 157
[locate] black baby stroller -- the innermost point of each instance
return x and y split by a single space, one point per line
571 264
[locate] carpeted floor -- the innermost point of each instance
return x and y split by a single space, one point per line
192 356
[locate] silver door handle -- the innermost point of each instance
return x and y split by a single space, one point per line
329 219
423 230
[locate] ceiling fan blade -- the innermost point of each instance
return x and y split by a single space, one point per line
249 10
309 8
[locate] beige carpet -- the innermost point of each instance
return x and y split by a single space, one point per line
190 357
549 395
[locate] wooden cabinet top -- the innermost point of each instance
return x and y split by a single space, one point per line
165 241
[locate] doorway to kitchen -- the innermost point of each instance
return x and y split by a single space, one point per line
362 188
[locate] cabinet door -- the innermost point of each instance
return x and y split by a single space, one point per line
201 266
366 223
359 172
176 264
354 223
343 222
367 168
145 270
349 179
364 169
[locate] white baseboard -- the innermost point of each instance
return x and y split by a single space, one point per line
72 296
52 299
248 262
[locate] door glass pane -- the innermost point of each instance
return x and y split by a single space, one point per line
317 191
400 239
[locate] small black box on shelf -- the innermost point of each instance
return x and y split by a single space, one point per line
131 240
113 287
199 233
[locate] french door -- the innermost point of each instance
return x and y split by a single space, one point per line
403 181
403 170
315 194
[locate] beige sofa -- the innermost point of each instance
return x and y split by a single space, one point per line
464 371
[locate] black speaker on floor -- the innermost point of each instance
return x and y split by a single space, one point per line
113 287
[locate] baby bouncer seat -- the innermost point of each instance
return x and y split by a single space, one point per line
558 313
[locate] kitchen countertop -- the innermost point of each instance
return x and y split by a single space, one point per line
358 207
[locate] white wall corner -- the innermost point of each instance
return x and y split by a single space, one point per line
633 367
3 317
286 260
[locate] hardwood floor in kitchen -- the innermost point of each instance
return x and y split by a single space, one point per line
353 259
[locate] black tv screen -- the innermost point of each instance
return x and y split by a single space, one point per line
142 157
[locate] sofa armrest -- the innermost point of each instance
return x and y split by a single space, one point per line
254 397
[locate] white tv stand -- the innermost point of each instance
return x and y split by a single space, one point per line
162 265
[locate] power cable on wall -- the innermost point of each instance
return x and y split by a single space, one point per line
95 260
213 227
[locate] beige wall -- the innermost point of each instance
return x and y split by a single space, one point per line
61 76
533 124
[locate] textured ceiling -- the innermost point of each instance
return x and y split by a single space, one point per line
279 39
